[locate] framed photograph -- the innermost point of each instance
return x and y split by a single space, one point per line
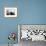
10 12
31 32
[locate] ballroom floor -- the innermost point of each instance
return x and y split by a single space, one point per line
34 43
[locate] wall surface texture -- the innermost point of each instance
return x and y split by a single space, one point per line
29 12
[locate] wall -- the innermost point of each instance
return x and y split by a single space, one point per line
29 12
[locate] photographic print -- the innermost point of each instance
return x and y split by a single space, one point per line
10 12
31 35
32 32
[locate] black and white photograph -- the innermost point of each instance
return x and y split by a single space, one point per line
30 34
10 12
